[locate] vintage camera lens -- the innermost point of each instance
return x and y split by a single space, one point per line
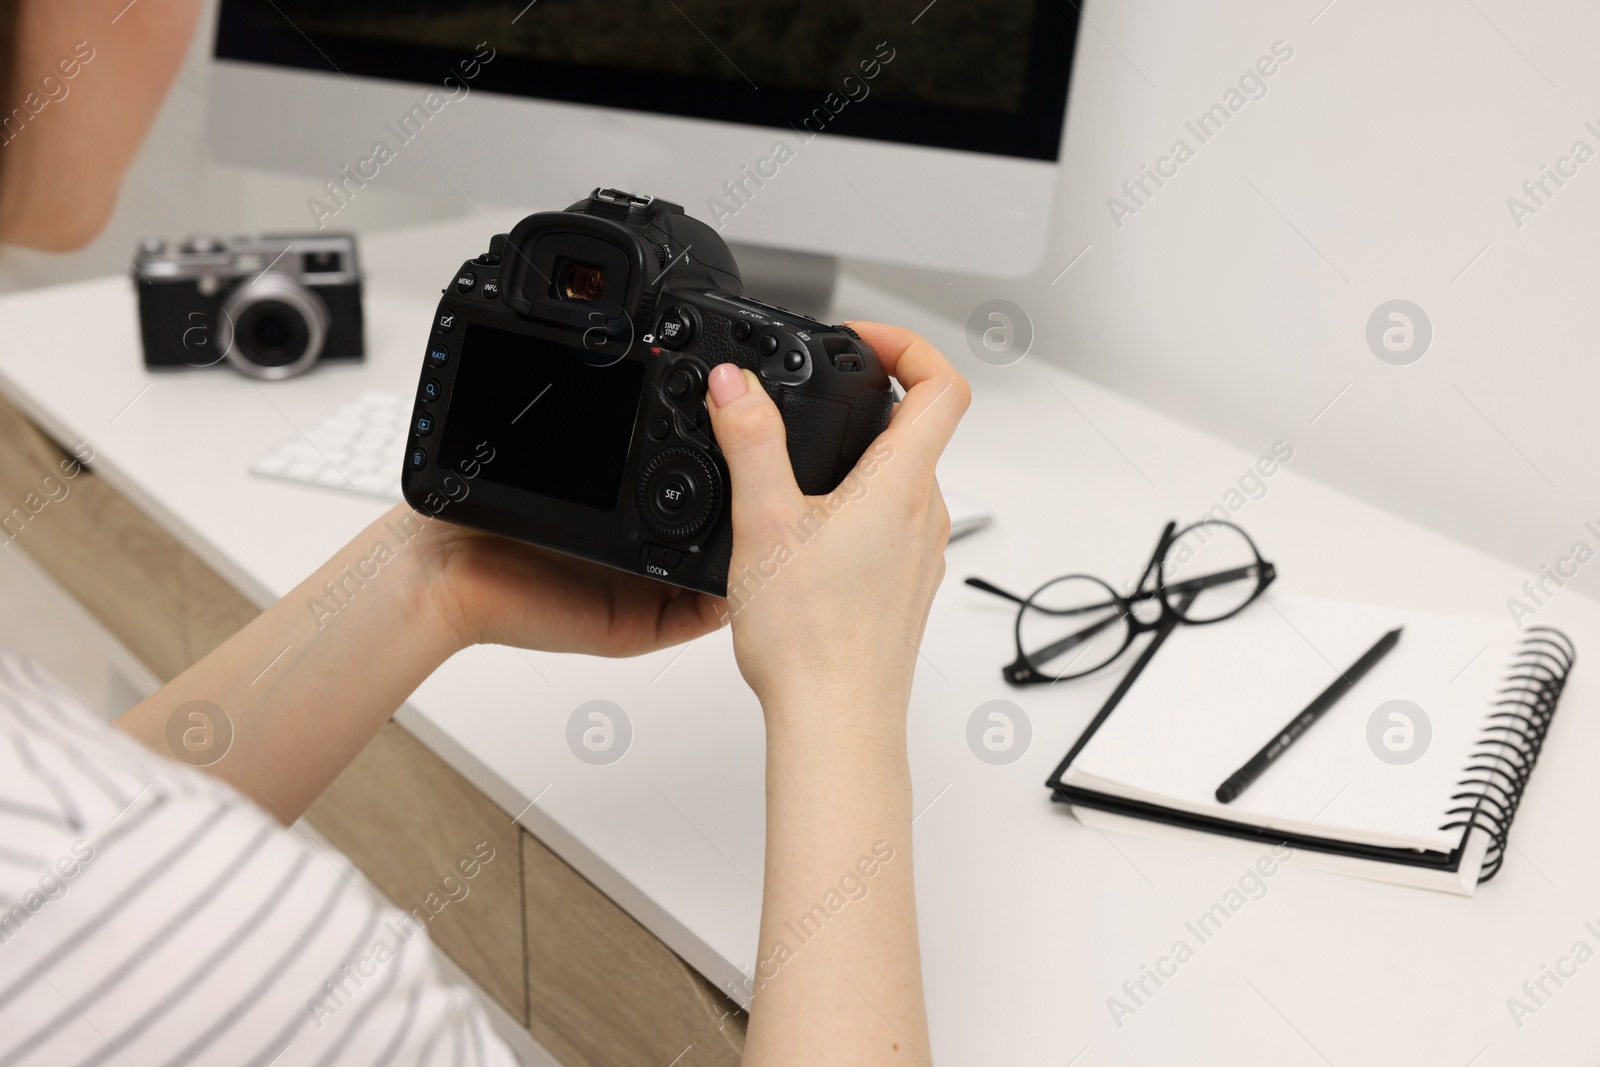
582 282
272 331
272 327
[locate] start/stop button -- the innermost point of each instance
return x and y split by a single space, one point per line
676 328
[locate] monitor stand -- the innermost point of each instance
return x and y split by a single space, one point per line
799 281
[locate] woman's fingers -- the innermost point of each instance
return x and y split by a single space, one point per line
936 395
750 433
686 617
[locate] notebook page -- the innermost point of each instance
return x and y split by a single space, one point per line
1212 696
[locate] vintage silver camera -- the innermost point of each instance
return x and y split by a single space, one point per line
271 306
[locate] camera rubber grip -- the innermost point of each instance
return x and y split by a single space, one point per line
827 435
815 428
869 416
719 555
843 432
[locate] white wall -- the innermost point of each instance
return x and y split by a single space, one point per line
1377 167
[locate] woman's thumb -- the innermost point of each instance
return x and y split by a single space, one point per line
750 433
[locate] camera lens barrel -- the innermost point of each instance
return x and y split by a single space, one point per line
272 327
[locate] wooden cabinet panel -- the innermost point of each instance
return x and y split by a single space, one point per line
603 991
93 544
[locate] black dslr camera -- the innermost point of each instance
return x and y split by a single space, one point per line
562 397
271 306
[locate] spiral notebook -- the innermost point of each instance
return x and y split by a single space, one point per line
1414 776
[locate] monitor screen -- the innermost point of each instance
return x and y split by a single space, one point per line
558 426
973 75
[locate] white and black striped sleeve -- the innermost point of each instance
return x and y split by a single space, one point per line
151 915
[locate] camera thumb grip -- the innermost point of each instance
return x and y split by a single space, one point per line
751 434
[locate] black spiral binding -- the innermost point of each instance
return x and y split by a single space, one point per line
1501 761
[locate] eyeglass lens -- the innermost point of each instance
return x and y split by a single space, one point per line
1077 624
1072 626
1217 563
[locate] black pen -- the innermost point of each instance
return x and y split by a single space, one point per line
1240 779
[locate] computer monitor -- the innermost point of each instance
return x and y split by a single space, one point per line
862 128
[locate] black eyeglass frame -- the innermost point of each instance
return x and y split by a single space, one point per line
1020 672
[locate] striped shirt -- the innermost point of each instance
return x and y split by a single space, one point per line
151 916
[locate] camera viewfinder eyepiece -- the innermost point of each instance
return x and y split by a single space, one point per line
581 282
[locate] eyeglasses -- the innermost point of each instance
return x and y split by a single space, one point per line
1077 624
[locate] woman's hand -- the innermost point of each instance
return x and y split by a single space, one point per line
829 595
307 684
493 590
857 569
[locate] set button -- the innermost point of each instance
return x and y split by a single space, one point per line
672 495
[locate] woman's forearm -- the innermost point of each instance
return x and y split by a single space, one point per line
310 681
838 974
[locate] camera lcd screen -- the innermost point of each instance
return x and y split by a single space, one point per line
558 426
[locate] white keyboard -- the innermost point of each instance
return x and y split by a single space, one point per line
359 447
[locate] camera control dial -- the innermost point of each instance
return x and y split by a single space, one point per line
678 494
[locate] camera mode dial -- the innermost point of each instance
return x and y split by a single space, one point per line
678 494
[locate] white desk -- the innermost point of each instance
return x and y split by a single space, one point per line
1030 921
